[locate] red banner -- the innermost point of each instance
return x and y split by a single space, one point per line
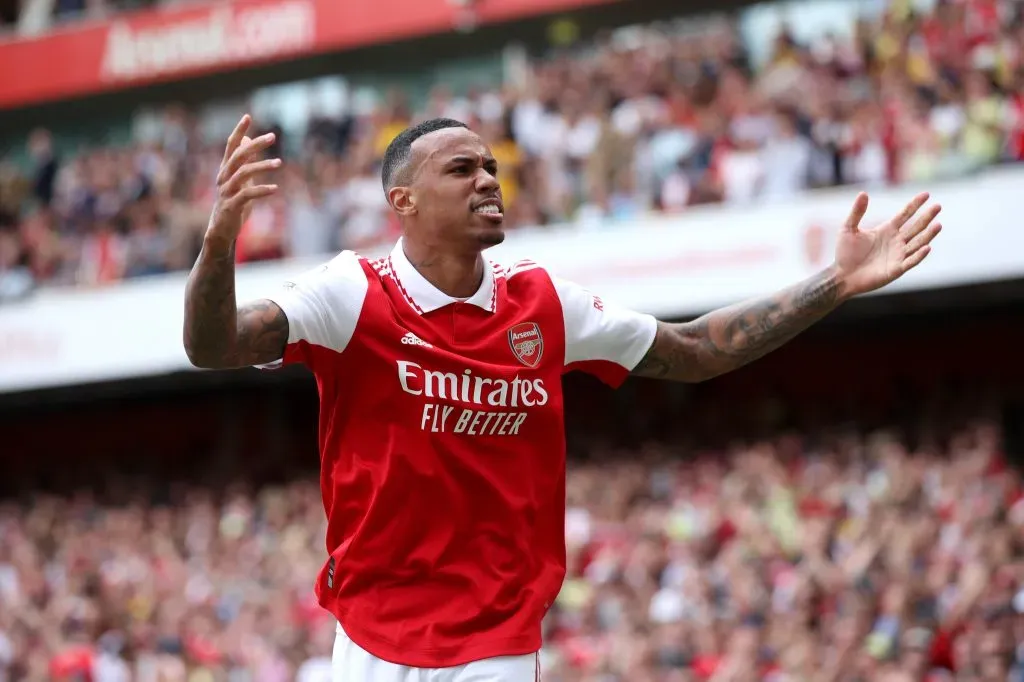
150 47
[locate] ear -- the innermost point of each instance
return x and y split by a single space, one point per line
402 200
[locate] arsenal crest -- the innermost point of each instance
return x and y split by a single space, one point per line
526 343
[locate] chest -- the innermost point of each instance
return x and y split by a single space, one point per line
520 337
461 369
509 357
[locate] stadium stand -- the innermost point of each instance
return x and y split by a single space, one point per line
800 520
859 556
856 558
606 135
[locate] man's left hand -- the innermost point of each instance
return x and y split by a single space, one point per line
869 259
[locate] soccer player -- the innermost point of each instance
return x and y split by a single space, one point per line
441 433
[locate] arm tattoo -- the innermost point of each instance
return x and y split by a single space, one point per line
262 332
727 339
219 335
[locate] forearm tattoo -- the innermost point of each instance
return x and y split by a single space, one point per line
217 333
727 339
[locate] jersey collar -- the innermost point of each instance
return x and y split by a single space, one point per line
424 297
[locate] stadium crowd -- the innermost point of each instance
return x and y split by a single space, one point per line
597 137
831 556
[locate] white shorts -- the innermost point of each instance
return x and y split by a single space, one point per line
351 663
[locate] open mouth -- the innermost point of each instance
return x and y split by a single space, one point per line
491 208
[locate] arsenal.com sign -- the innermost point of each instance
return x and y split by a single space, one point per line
196 38
222 35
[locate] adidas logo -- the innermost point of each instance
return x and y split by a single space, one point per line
411 339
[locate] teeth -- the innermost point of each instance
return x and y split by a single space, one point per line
489 208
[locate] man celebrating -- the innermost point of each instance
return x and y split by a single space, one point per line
441 425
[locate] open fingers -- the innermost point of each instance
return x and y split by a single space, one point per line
923 238
910 209
241 177
248 194
243 153
235 138
914 259
916 226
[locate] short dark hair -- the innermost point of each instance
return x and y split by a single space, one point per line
397 154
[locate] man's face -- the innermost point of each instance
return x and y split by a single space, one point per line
453 197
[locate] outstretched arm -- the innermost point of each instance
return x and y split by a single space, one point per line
727 339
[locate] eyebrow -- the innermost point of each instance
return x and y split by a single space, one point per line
489 161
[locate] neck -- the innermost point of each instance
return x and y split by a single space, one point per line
458 275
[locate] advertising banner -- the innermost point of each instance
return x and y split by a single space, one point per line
148 47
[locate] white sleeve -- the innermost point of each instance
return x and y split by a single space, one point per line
322 306
601 337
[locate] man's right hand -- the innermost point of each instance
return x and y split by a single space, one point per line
236 185
218 333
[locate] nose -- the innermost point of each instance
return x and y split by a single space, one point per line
486 183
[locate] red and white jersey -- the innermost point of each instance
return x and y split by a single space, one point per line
442 447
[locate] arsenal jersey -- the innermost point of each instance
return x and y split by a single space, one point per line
442 446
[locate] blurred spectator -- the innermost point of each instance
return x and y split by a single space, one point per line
44 171
9 12
786 159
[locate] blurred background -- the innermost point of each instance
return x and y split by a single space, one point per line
849 509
